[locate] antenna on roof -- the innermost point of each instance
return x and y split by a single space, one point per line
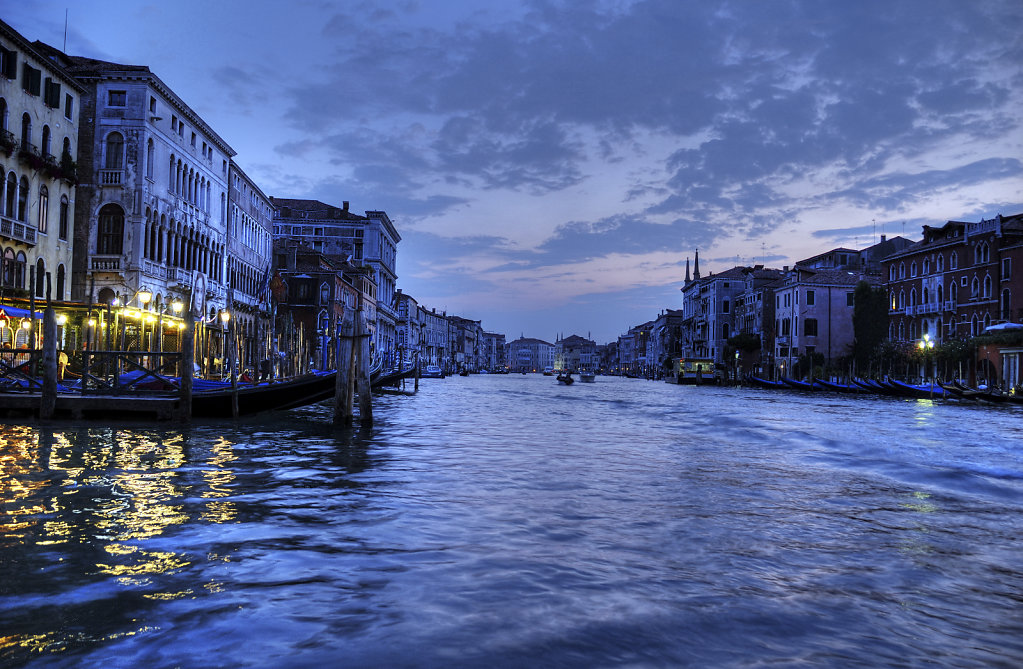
873 222
65 30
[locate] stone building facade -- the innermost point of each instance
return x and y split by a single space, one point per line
40 103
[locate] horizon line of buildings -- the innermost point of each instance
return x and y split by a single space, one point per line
959 279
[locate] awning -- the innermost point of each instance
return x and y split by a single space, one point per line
7 313
1001 327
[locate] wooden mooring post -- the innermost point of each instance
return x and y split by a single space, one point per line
48 401
345 345
187 365
365 385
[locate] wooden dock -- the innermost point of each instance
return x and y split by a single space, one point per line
109 407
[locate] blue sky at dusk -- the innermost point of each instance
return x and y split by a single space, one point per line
551 165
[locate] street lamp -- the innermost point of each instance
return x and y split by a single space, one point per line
144 295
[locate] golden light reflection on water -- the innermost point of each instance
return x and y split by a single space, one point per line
116 490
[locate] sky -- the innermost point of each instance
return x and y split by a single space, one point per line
551 165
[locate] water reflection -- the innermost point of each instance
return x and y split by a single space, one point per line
511 522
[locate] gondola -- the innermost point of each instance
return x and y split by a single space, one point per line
929 391
307 389
839 387
764 383
798 385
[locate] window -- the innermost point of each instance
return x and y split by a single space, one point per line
174 122
902 270
1006 311
117 98
927 266
44 208
850 299
23 199
940 262
974 287
8 63
987 286
59 295
40 278
45 145
810 298
891 273
51 93
724 330
953 261
810 327
31 79
152 105
1006 268
62 229
115 151
26 131
786 327
12 195
912 269
193 139
725 307
150 157
110 236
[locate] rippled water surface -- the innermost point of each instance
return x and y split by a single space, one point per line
506 521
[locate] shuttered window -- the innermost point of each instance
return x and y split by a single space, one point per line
31 79
51 93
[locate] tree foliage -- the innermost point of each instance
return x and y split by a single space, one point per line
870 322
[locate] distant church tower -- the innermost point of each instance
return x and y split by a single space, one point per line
687 273
696 266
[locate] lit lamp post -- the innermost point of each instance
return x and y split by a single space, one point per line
926 345
225 317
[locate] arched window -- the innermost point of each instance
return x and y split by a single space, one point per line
953 293
927 266
892 301
941 294
110 235
115 151
912 269
12 195
64 224
912 297
987 286
902 270
973 325
26 131
891 273
1006 304
953 260
902 330
23 199
65 153
940 262
20 266
975 288
59 294
902 299
927 296
45 145
150 157
10 267
3 114
40 278
44 208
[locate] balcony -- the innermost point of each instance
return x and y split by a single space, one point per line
105 264
17 231
111 177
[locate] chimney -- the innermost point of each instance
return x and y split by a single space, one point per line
344 205
884 238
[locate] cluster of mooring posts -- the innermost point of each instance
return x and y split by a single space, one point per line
161 384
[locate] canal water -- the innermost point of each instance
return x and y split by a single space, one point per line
507 521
